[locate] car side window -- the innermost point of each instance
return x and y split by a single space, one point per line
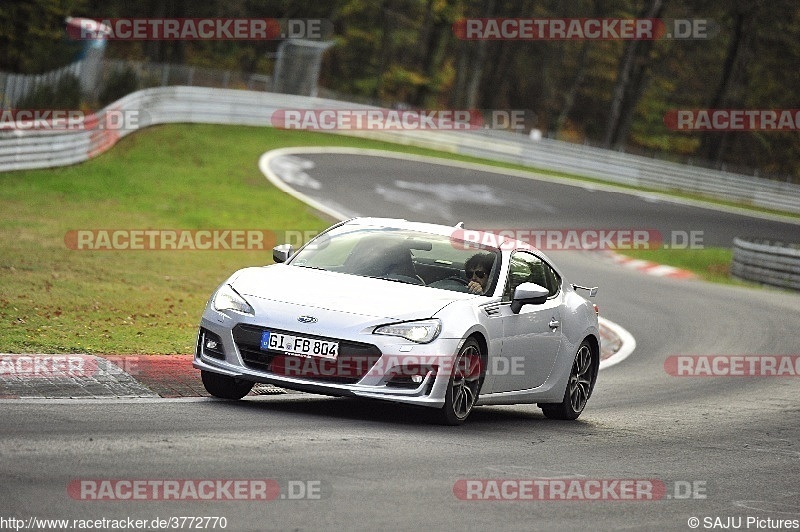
553 280
525 267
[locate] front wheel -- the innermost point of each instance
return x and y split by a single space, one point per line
579 386
464 385
225 387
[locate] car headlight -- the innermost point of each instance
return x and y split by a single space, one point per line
227 298
421 332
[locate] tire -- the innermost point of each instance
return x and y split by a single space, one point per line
225 387
579 386
464 386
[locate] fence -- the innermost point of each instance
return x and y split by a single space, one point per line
20 149
166 74
297 72
87 69
767 262
15 87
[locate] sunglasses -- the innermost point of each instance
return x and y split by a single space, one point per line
480 273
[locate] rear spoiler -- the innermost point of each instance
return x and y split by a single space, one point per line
592 290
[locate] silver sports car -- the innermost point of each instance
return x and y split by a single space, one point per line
415 313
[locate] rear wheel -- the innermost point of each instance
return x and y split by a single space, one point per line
579 386
225 387
465 383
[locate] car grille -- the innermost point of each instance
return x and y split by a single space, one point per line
353 362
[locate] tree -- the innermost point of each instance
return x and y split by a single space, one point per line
33 35
630 82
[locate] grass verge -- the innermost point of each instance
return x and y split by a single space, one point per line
710 264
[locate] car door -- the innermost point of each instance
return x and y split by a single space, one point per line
531 338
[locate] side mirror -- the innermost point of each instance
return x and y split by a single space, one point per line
282 252
528 294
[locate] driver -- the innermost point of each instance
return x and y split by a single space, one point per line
477 270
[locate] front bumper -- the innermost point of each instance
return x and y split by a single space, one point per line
384 374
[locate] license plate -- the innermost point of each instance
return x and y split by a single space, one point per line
298 345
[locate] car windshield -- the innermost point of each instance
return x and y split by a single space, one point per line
401 255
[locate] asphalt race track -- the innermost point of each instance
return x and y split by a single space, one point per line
705 447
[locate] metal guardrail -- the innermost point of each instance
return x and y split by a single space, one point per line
767 262
22 149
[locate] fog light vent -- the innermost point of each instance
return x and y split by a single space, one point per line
211 345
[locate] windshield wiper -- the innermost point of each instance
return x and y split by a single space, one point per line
311 267
397 280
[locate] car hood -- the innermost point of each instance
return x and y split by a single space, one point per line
364 296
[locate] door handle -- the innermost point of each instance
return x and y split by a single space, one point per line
554 323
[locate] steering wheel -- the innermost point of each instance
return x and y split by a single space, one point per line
457 284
